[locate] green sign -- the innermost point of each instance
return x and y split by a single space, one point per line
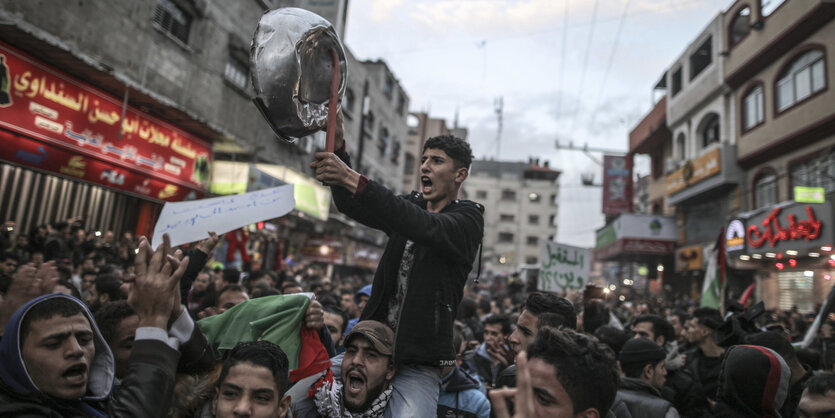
606 236
809 194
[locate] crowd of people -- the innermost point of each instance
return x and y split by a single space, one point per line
95 327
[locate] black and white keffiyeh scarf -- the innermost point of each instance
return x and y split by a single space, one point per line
328 401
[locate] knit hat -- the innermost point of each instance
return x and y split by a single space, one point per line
641 350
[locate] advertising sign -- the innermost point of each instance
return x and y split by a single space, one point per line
689 258
42 103
617 184
735 236
809 194
790 226
563 267
694 171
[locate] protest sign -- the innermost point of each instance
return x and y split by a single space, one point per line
191 221
563 267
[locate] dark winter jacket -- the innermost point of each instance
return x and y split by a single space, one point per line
460 397
145 391
753 382
637 398
445 247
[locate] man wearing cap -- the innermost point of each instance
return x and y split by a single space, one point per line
642 363
705 361
367 370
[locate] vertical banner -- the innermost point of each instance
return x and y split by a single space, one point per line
563 267
617 184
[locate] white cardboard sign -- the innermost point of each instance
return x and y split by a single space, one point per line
563 267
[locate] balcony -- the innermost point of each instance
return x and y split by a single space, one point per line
652 131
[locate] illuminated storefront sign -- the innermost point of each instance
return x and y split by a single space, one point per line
735 236
770 231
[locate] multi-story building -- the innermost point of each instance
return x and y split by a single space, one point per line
521 202
778 69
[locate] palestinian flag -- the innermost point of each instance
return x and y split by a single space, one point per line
713 289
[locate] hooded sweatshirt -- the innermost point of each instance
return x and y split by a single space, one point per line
366 290
145 391
753 382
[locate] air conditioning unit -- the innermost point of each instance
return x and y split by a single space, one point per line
670 164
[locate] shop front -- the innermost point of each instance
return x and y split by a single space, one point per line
70 150
789 248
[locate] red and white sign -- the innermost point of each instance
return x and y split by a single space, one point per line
68 117
770 231
617 184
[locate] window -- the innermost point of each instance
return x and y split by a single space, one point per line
752 108
395 152
505 237
236 71
768 6
531 260
481 194
388 87
701 58
348 100
816 172
740 25
804 77
401 104
676 82
765 190
710 130
369 121
409 165
681 147
554 199
383 143
504 217
532 240
533 219
172 20
508 194
552 220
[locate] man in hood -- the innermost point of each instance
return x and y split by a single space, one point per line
56 362
360 299
753 382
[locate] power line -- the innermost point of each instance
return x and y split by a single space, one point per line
562 57
609 64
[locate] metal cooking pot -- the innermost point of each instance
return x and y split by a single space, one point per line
291 66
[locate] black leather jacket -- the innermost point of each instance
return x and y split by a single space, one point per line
637 398
445 248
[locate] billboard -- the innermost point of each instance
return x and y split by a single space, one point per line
617 184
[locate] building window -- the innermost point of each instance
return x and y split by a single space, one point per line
816 172
554 199
348 100
752 108
701 58
740 25
508 194
504 217
383 143
395 152
532 240
401 105
533 219
676 81
767 7
804 77
481 194
388 87
172 19
409 165
505 237
552 220
765 190
369 121
710 130
531 260
236 71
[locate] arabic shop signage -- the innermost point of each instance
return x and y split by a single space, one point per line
44 104
30 153
694 171
689 258
789 226
563 267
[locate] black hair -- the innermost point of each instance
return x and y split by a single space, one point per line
484 305
47 309
336 311
709 317
110 315
660 326
8 255
595 315
585 368
231 276
263 354
262 291
775 341
821 383
109 285
73 290
466 308
553 320
229 288
290 283
538 303
499 319
88 272
457 149
614 338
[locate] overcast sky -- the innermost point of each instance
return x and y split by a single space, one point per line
579 71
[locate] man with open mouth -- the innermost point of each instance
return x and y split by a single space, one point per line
433 240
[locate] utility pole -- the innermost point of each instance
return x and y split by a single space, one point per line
498 106
365 107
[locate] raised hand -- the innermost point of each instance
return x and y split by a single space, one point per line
155 288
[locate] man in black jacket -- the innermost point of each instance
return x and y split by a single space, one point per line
433 241
642 363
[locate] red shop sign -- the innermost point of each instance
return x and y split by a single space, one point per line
45 104
770 230
31 153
